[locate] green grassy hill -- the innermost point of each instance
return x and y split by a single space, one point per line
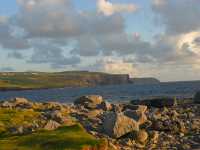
64 138
72 137
36 80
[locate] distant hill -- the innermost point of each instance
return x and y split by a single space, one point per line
41 80
144 81
37 80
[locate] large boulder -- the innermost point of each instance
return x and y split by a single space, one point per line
89 101
142 136
17 102
137 114
6 104
197 97
52 125
94 113
22 102
54 115
117 124
106 106
16 130
53 106
156 102
59 117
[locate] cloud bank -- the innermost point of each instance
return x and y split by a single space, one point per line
108 8
56 33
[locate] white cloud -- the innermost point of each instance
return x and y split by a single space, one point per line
108 8
178 16
117 66
3 19
159 2
189 39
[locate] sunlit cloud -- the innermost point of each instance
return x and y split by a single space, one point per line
108 8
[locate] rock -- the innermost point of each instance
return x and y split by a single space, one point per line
195 124
90 101
51 125
197 97
182 128
16 130
94 113
140 118
55 115
52 106
154 137
6 104
141 108
17 102
156 102
142 136
127 141
138 114
117 108
112 146
117 124
106 106
185 147
21 130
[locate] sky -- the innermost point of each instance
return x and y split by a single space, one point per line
143 38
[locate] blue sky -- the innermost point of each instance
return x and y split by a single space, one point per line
156 38
8 7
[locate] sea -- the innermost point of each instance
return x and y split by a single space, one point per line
112 93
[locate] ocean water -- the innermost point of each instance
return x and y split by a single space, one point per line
114 93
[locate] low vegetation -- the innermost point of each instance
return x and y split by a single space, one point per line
37 80
64 138
14 117
72 137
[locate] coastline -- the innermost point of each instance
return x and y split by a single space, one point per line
149 124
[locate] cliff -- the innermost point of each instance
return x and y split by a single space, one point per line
37 80
93 79
144 81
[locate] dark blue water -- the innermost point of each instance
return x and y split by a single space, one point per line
111 93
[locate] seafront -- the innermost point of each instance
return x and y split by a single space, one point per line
92 123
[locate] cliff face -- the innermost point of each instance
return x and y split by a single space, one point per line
144 81
100 79
110 79
37 80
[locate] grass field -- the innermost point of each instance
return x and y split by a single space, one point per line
38 80
43 80
13 117
64 138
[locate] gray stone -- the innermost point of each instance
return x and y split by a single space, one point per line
7 104
197 98
89 101
156 102
53 106
138 113
106 106
17 102
21 103
117 124
16 130
141 118
51 125
142 136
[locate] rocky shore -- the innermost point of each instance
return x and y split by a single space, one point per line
159 123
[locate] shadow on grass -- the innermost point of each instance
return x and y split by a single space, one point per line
73 138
